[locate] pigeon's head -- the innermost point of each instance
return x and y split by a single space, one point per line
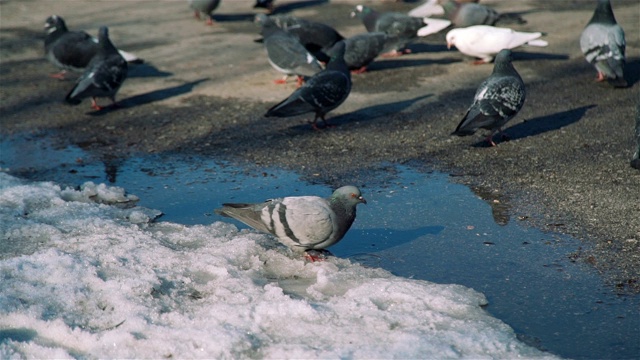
349 195
360 11
451 38
504 56
53 23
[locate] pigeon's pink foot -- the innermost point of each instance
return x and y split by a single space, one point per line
316 255
280 81
490 141
300 81
196 14
359 71
600 77
210 22
94 105
478 62
60 76
394 53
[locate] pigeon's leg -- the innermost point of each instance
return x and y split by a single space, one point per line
600 77
196 14
60 75
114 104
359 71
300 81
396 53
490 141
478 62
210 21
313 123
94 104
281 81
316 255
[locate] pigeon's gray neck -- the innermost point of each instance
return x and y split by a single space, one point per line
449 8
603 13
345 215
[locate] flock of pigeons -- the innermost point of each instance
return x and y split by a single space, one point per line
299 47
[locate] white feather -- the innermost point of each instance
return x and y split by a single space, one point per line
429 8
433 26
485 41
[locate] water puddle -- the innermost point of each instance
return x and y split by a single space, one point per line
415 225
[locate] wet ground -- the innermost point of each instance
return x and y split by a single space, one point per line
203 91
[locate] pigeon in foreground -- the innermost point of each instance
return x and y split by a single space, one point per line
301 222
498 99
322 93
484 42
603 45
104 75
401 27
362 49
316 37
285 52
71 50
265 4
204 6
469 14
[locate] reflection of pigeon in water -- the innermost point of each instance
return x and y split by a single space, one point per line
204 6
603 45
401 28
483 41
71 50
322 93
301 222
469 14
104 75
497 100
285 52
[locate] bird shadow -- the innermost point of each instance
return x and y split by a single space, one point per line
295 5
145 71
234 17
375 111
417 48
542 124
632 72
381 64
152 96
526 56
379 239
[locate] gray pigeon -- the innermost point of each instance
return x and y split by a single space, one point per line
285 52
402 28
362 49
322 93
316 37
104 75
205 7
469 14
301 222
498 99
71 50
602 43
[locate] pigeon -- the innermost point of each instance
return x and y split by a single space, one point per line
432 7
322 93
402 27
362 49
71 50
469 14
301 222
204 6
497 100
265 4
602 43
285 52
483 41
104 75
316 37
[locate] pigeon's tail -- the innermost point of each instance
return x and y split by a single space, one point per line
433 26
463 132
537 42
429 8
243 212
291 106
71 100
130 58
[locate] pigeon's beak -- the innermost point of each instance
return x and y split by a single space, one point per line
352 14
449 45
362 200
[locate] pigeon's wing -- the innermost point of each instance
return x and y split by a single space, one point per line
326 90
287 54
306 220
475 14
102 78
604 44
75 49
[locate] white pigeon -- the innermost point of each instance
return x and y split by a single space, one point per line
429 8
301 222
484 42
